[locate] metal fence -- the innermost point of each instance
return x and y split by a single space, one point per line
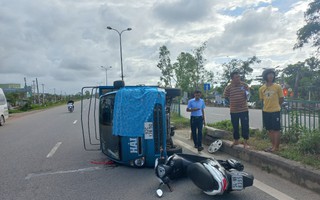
175 108
299 113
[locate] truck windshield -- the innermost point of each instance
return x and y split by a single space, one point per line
110 144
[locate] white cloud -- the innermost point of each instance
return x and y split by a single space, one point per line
63 43
182 12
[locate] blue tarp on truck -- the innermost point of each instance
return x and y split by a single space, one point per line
140 101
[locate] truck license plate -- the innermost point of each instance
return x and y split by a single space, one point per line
237 182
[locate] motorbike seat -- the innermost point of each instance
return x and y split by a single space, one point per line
201 177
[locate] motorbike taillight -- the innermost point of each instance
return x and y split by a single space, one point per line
225 184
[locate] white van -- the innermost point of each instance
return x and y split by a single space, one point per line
4 113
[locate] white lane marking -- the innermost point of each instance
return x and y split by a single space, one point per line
54 149
32 175
271 191
256 183
75 121
218 114
185 145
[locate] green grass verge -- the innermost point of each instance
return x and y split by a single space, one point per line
259 141
34 107
180 122
292 152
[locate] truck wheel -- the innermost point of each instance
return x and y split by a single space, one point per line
173 92
176 149
1 120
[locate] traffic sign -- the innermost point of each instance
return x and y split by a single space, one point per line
206 86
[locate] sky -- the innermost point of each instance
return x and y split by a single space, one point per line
64 43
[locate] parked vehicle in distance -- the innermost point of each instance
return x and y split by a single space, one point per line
4 113
251 104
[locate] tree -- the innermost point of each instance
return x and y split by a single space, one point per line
190 72
187 72
304 78
311 31
165 66
243 67
202 75
14 97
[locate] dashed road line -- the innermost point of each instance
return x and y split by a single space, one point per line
33 175
54 149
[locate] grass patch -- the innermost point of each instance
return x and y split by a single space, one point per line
292 152
180 122
223 125
304 148
12 111
32 107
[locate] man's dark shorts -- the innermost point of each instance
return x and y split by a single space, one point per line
271 121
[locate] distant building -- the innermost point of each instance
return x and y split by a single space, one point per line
10 86
16 87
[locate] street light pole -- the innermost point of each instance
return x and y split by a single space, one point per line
120 33
106 69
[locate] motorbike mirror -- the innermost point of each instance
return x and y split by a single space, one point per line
159 193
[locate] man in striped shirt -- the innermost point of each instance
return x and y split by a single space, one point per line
237 92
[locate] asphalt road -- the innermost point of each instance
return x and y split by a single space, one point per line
42 157
216 114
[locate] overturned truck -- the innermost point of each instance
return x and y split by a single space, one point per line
133 122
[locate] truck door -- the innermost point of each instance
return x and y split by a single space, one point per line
89 123
90 102
110 144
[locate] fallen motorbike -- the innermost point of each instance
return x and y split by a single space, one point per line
214 177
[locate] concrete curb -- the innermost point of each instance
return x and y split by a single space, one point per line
293 171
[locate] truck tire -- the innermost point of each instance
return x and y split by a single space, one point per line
173 92
176 149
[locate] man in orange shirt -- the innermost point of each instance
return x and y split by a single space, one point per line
237 92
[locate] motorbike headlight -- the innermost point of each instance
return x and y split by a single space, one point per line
161 171
139 162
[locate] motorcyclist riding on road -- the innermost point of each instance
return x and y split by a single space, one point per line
70 105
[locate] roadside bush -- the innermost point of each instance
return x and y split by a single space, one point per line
292 135
259 134
27 106
223 125
309 142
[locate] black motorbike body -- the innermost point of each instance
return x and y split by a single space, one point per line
214 177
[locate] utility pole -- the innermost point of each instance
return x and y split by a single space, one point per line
38 91
33 91
42 93
54 93
25 87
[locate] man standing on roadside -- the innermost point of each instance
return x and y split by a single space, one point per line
196 106
272 96
237 92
